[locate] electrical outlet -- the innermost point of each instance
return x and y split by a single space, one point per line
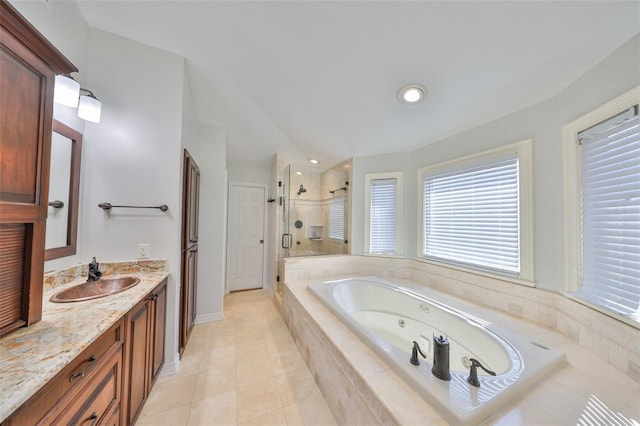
143 251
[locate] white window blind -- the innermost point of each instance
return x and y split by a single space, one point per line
383 216
336 218
472 216
610 210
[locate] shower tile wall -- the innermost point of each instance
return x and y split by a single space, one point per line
312 209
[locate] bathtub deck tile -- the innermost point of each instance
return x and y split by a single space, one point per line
565 395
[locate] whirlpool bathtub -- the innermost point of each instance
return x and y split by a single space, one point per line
390 317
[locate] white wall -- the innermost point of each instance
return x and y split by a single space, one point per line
543 123
211 157
247 174
133 157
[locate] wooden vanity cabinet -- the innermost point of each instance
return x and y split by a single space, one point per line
109 382
86 391
144 352
28 65
159 331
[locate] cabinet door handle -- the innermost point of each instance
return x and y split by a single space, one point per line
81 373
94 418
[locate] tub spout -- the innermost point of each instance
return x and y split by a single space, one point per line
441 358
414 354
473 373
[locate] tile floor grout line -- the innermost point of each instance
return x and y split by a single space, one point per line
200 345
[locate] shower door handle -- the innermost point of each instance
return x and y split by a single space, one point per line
286 241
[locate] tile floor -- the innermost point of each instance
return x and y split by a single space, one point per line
244 370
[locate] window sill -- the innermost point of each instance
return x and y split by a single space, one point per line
391 256
513 280
632 320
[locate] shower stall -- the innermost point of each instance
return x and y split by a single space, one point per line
314 211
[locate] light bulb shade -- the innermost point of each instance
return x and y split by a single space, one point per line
66 91
89 108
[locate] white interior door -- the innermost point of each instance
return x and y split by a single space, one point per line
245 252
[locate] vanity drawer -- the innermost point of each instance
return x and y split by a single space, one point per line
64 388
99 399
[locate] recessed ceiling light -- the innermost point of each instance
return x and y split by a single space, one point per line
299 173
411 93
312 161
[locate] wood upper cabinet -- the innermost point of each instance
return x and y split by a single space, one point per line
191 200
28 65
144 353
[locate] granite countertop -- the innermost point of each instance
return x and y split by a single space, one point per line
31 356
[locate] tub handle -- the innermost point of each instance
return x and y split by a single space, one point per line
473 373
414 354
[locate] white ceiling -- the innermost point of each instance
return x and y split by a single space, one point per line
319 78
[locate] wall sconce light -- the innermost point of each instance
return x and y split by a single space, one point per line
66 91
90 107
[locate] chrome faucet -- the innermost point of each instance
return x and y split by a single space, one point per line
94 271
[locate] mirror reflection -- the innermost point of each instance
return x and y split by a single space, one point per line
64 185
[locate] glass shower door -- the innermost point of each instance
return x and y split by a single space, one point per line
283 223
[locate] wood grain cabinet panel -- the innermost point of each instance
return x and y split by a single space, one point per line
144 354
110 381
28 65
97 402
12 245
159 331
189 261
138 328
78 384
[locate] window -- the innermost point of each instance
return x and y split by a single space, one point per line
336 218
604 234
383 204
476 212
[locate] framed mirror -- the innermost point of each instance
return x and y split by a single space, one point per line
64 191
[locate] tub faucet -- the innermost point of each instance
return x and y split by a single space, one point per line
440 367
473 373
94 271
414 354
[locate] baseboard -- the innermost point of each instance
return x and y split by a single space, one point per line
170 368
201 319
